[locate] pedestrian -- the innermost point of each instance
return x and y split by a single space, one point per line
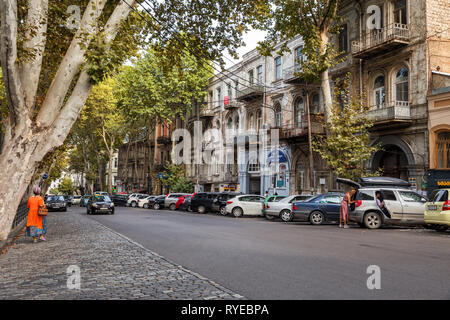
266 194
36 224
346 201
381 205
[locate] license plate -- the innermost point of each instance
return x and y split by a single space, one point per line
103 208
432 208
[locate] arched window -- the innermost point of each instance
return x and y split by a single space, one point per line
299 111
236 122
401 85
253 165
315 104
379 92
278 116
250 122
443 150
258 120
230 123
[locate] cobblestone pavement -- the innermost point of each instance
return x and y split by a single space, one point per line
112 267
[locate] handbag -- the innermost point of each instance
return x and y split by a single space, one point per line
43 211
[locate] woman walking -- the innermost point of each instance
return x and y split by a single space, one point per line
346 201
36 224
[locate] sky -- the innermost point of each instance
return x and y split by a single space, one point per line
251 40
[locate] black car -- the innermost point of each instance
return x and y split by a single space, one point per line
319 209
158 202
100 204
56 203
119 199
186 204
202 202
220 202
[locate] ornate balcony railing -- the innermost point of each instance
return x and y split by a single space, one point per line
379 40
250 92
400 110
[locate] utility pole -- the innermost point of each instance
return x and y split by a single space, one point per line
311 163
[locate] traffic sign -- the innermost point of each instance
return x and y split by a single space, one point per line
45 176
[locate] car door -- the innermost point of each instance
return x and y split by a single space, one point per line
256 205
392 204
331 205
413 206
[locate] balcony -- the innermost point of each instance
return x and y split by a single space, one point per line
399 113
230 104
164 140
292 74
382 40
206 113
251 92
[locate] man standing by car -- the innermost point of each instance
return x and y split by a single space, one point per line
381 204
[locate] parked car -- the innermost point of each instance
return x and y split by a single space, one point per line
245 205
220 202
101 193
437 212
84 200
99 204
76 200
283 207
56 203
184 203
133 200
171 200
317 210
68 200
405 206
146 202
158 203
119 199
202 202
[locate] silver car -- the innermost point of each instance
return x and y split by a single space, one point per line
404 206
283 208
171 200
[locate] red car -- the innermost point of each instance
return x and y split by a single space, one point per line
183 202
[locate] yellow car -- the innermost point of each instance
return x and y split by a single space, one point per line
437 211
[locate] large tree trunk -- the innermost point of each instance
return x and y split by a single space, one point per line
324 79
110 178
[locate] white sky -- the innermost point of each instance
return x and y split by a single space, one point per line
251 40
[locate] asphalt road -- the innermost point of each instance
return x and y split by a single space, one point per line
273 260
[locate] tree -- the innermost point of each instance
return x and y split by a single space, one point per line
49 69
175 178
314 20
347 147
66 186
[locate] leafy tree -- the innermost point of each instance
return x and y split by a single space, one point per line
347 147
315 21
175 178
49 68
66 186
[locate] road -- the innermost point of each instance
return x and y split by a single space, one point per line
262 259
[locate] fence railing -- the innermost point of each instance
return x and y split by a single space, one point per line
399 111
373 38
21 215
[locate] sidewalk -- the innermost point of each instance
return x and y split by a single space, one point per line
112 267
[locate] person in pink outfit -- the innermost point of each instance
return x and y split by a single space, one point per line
346 201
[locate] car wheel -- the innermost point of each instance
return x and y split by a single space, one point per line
201 209
223 211
134 204
172 206
189 209
87 211
269 217
112 211
65 210
156 206
372 220
237 212
145 205
316 218
286 215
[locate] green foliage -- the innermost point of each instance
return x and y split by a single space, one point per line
54 191
346 148
66 186
175 178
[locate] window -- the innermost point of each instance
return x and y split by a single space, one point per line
298 56
343 39
443 150
401 85
219 96
278 70
258 120
250 122
251 79
116 162
259 71
229 92
230 123
278 116
409 196
400 12
299 110
211 99
331 199
379 92
388 195
440 196
253 166
315 104
365 195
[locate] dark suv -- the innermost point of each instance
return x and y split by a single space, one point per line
202 202
56 203
220 202
99 204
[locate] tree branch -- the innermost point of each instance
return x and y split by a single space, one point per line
34 40
71 64
10 69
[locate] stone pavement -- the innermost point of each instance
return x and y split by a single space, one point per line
111 267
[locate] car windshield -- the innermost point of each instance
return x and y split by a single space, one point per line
76 197
55 198
101 199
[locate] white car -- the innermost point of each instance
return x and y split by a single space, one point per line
76 200
249 204
133 199
143 203
283 208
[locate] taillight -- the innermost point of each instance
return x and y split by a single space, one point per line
358 203
268 206
294 208
229 202
167 195
446 206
